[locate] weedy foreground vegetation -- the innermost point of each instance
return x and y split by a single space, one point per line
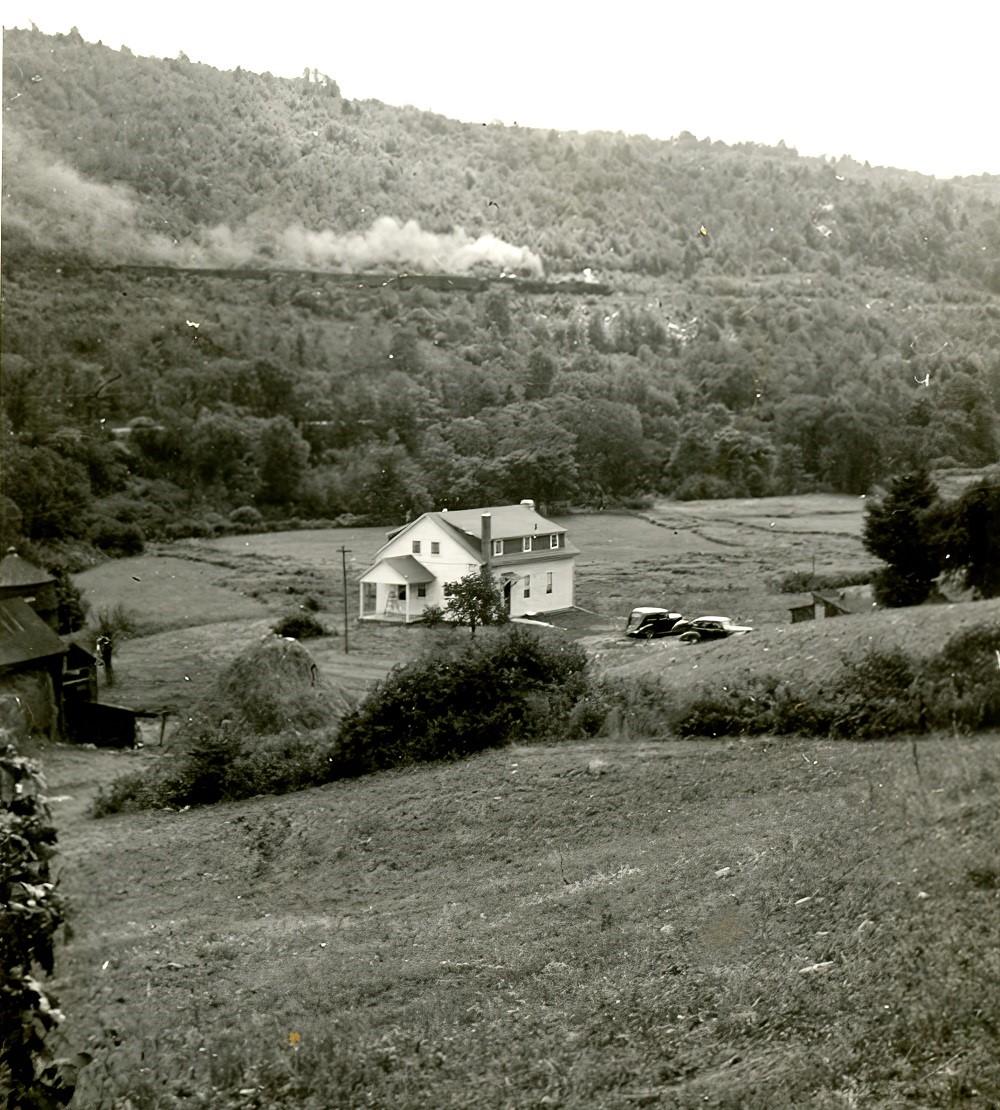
619 923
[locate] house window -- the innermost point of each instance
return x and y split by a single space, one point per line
526 543
422 589
554 540
548 582
498 547
527 585
435 547
416 547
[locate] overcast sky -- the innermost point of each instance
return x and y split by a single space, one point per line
910 84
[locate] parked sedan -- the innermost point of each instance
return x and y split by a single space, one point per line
647 621
710 628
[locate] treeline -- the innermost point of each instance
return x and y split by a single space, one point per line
166 404
834 326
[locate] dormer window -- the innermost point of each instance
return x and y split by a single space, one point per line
435 547
526 543
554 540
416 547
498 547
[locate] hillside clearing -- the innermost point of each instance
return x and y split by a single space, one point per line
600 925
812 651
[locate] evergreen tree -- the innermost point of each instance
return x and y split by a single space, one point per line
973 538
900 529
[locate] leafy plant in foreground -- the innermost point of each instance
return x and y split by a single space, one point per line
31 911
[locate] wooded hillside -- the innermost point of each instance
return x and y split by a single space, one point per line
774 323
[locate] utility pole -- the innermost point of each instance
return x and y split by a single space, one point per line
344 552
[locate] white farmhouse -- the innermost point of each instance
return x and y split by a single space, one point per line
529 556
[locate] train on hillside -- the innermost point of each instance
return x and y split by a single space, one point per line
445 283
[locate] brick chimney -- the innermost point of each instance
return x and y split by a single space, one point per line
486 537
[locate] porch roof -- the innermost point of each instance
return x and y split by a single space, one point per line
400 569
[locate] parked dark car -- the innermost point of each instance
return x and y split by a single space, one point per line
647 621
710 628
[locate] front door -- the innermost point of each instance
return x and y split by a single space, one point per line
506 595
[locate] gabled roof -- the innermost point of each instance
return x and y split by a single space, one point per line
470 541
15 571
506 521
465 525
409 568
24 636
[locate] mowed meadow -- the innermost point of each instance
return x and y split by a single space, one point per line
626 921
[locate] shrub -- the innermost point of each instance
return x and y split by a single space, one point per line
876 696
639 706
224 765
247 515
189 528
72 607
299 626
464 698
802 581
116 537
433 615
117 622
703 487
960 687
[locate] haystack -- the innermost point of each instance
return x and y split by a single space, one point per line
269 688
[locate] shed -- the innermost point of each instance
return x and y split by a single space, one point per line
31 666
821 606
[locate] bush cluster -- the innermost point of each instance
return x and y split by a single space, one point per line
802 581
225 764
458 699
300 626
116 538
464 698
884 692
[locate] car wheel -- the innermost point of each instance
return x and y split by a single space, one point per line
690 638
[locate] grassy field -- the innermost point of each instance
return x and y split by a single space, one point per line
609 924
592 925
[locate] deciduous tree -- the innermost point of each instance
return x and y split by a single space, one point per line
476 599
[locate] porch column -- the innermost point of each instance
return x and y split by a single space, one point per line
406 619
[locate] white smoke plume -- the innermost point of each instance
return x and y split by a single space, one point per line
389 243
54 207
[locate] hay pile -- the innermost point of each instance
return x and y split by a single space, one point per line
272 687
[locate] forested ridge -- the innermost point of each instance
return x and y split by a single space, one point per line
772 323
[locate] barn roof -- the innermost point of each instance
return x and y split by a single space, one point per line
15 571
24 636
